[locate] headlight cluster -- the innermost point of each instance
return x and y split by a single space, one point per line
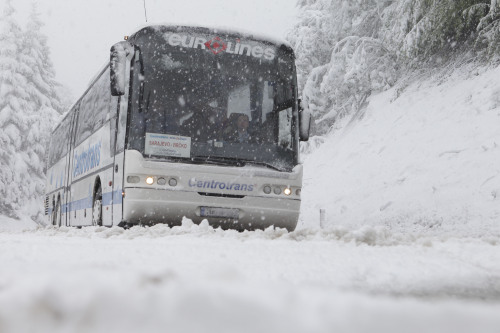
279 189
150 180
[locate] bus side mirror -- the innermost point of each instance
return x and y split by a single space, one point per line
120 53
304 122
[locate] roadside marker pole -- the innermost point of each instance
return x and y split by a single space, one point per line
322 218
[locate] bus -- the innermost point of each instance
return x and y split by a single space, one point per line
182 122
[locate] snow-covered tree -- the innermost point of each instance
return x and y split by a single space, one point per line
323 23
348 49
13 101
340 56
37 66
423 30
28 109
488 28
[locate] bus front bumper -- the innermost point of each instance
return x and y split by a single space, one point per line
150 206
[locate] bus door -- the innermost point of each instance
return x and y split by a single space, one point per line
69 166
118 131
119 107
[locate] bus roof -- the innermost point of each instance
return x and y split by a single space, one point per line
213 30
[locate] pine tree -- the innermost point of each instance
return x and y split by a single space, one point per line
37 66
348 49
44 101
488 28
340 56
426 31
13 102
28 104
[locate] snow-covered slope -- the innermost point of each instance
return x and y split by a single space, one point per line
423 158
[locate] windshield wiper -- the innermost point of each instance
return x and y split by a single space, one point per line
202 160
268 165
232 162
227 161
216 160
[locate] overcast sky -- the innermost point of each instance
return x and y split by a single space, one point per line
81 32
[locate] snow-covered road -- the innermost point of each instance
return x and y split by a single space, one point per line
194 278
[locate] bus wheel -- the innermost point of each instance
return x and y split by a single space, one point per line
97 208
56 217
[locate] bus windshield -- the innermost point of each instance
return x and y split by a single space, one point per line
213 99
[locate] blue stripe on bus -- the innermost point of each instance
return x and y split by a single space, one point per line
107 200
80 204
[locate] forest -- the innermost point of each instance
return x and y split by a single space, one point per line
30 105
349 49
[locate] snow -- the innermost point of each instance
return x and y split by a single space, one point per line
9 224
194 278
220 29
424 158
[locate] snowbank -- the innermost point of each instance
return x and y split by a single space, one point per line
364 235
24 223
422 159
198 279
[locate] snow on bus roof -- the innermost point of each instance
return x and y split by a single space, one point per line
217 29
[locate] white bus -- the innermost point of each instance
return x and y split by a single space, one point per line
183 121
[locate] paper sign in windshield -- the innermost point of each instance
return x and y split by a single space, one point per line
167 145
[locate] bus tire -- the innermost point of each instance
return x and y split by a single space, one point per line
97 207
56 216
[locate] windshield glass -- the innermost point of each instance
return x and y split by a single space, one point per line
216 99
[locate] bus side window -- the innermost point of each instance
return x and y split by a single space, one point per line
113 114
122 127
59 142
102 103
94 108
285 125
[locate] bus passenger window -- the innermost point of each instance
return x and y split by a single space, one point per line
60 139
285 126
94 108
113 113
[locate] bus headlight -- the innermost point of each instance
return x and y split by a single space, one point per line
277 190
172 182
287 191
161 181
267 189
150 180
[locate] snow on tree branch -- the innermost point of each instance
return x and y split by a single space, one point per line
347 49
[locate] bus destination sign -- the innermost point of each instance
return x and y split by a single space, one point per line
167 145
